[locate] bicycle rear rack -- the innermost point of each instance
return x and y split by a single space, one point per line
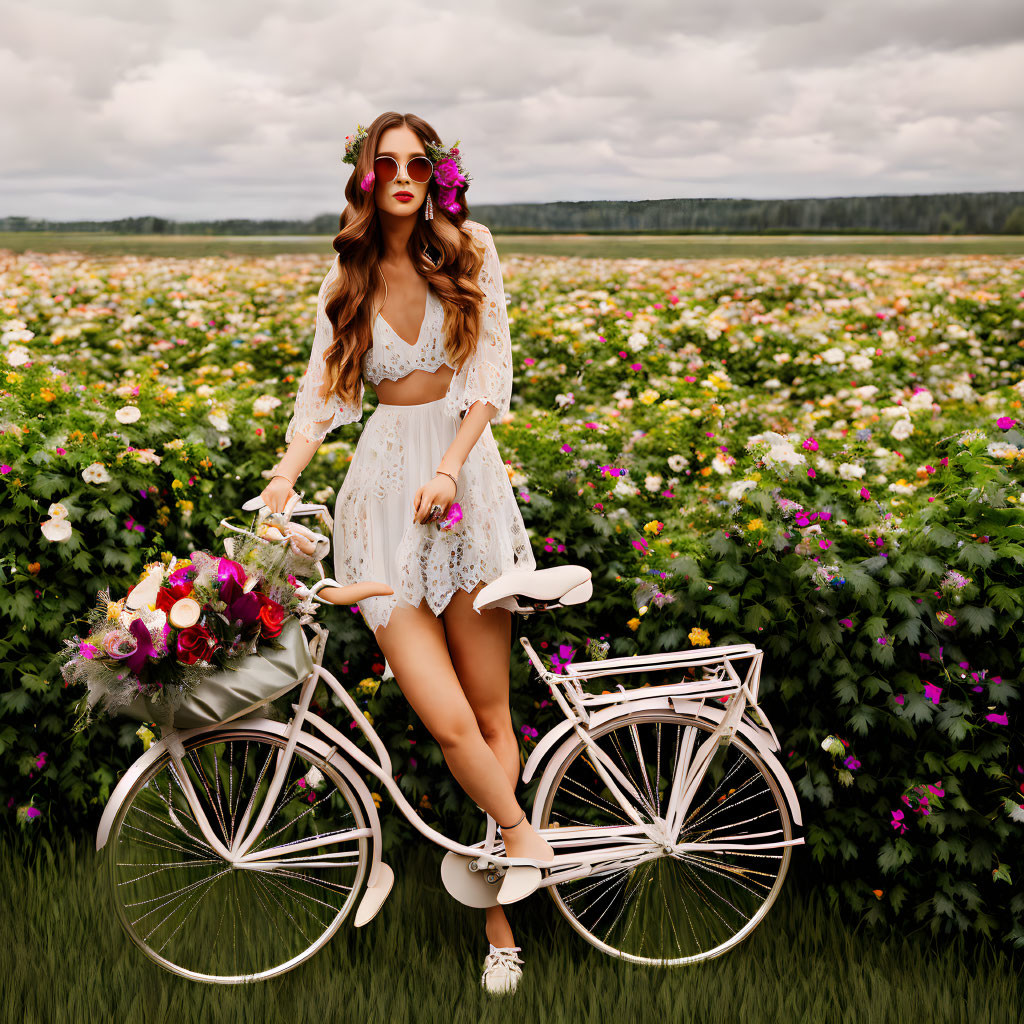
723 678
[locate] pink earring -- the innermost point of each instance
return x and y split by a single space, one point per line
428 213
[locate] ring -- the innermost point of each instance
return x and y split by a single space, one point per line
435 512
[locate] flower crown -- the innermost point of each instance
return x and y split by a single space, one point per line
447 163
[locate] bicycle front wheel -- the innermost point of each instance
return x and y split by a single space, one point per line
686 906
197 915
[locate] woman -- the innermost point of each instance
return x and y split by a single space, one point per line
414 305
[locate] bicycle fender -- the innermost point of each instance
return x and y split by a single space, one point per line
680 706
265 725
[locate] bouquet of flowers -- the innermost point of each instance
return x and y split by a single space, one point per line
187 621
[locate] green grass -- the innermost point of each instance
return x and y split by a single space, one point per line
65 959
100 244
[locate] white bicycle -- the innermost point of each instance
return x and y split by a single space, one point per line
237 849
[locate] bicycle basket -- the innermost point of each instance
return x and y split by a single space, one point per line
230 693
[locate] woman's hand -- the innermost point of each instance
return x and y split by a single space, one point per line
439 491
277 494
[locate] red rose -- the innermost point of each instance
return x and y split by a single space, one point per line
181 588
196 644
272 616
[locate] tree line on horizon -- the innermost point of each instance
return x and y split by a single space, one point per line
952 213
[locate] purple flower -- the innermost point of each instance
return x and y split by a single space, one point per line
852 763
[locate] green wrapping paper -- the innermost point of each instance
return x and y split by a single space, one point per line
228 693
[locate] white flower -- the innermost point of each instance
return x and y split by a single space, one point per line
57 511
919 401
18 355
16 330
773 382
127 414
564 400
623 488
56 529
223 441
517 479
265 404
1002 450
205 390
637 341
148 456
219 420
721 464
851 471
735 492
652 481
902 429
833 355
314 777
95 474
860 363
962 392
867 392
782 357
677 462
902 488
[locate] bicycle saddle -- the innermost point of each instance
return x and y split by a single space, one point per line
536 590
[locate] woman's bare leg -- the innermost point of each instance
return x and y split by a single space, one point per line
414 644
480 649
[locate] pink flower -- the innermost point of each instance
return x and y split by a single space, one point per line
998 719
367 183
932 692
848 623
897 822
1005 422
865 493
810 445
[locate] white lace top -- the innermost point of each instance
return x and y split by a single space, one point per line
485 377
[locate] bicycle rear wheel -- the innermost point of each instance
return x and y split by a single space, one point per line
685 906
195 914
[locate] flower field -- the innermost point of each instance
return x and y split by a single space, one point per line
820 455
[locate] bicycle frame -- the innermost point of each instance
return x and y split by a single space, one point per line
645 840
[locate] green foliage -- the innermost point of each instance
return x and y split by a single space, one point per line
882 576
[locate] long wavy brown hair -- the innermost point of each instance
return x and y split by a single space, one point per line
440 249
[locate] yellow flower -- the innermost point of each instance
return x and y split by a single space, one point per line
376 799
146 735
369 717
634 623
176 484
699 637
46 395
654 526
755 524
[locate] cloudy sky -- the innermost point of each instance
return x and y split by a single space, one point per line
214 108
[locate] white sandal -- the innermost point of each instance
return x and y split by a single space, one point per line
501 970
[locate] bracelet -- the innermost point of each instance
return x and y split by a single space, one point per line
453 480
283 477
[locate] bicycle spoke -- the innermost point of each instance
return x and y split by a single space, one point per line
203 917
671 905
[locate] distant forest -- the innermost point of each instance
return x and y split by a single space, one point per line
949 213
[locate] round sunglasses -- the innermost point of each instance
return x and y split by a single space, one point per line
419 168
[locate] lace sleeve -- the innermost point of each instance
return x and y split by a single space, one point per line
315 415
487 375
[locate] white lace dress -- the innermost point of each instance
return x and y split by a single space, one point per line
399 449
